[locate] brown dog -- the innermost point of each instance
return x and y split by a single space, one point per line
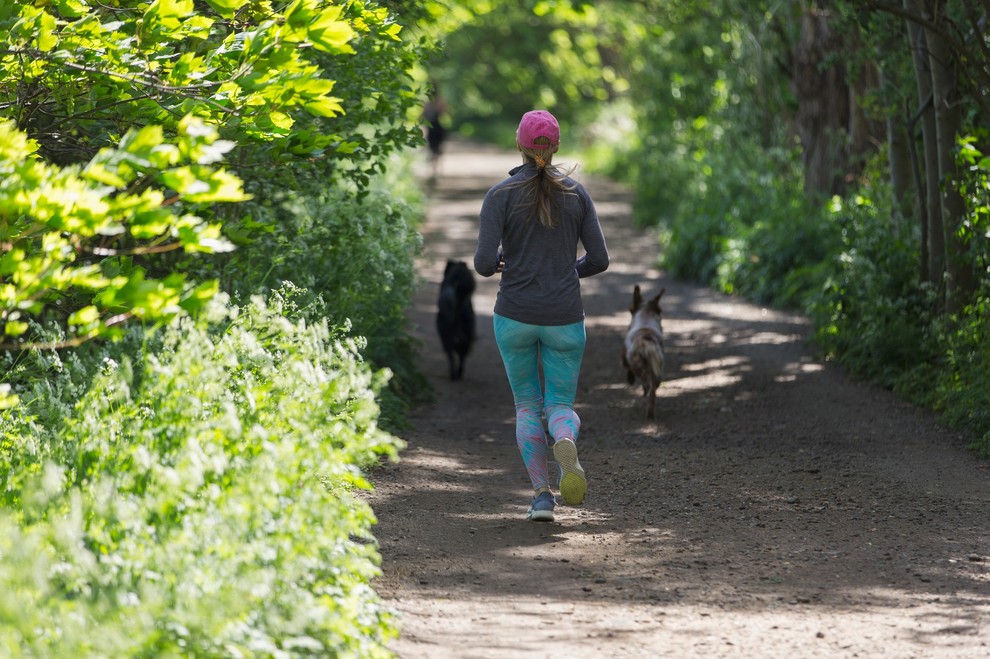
642 351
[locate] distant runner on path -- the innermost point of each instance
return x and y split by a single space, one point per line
436 133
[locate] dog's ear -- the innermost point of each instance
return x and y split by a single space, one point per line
654 302
637 299
448 267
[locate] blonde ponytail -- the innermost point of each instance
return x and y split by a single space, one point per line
547 185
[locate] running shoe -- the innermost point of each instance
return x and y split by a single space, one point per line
542 508
572 481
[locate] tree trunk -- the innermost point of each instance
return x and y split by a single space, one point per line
899 154
933 246
823 104
866 134
960 280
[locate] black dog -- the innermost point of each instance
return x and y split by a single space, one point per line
455 315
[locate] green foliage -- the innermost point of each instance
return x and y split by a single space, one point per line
962 392
874 318
884 330
975 187
242 64
707 94
199 499
138 93
54 220
780 259
193 489
743 225
514 57
357 254
871 314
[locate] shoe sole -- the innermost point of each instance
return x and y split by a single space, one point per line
573 484
540 516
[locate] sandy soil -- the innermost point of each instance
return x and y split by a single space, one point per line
775 508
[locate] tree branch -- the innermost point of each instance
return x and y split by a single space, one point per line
67 343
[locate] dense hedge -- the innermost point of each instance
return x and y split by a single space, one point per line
199 498
356 253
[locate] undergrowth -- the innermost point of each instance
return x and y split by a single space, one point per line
199 497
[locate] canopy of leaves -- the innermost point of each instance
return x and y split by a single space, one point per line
55 222
123 118
78 74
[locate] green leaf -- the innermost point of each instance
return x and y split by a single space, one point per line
325 106
14 145
169 13
281 119
226 8
198 184
198 297
392 31
71 8
98 171
15 328
299 14
7 399
85 317
47 39
330 34
142 141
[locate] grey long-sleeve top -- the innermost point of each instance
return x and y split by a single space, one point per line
539 284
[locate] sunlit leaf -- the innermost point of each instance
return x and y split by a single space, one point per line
325 106
8 400
15 327
329 33
227 8
86 316
281 120
47 39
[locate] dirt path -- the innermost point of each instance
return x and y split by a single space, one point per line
774 509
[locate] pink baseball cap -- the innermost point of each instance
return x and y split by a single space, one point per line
538 123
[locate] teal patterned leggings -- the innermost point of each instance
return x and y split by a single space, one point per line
560 349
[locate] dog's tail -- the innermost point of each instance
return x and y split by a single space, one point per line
656 363
647 356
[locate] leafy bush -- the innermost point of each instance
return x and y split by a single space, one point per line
199 499
778 260
875 319
693 251
746 229
356 253
871 315
962 393
742 227
56 220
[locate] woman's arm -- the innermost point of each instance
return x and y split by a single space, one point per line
595 259
488 256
